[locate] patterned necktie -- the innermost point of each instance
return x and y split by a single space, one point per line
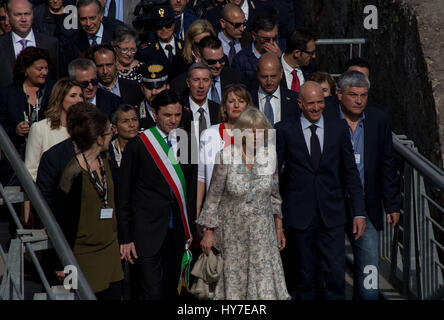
315 147
268 110
94 40
169 48
214 94
112 9
232 52
295 84
202 121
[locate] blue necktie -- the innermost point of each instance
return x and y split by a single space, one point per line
214 94
268 110
170 224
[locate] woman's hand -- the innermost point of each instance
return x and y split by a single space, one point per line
281 238
208 241
126 250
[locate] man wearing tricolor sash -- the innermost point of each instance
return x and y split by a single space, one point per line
157 202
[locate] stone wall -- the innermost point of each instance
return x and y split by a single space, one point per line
400 76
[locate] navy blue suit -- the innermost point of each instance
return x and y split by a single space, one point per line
313 207
107 102
246 62
188 19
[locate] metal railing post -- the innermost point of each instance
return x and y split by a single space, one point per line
58 240
406 229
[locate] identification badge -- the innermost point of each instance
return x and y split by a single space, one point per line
357 158
106 213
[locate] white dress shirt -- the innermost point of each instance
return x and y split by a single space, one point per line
307 131
93 100
288 73
172 43
226 43
275 103
196 114
173 138
18 46
99 36
216 82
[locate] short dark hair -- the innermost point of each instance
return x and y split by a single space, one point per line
299 40
210 42
165 98
358 62
264 22
120 109
85 123
25 59
320 77
102 48
84 3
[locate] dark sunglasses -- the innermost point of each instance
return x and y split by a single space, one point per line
167 26
237 25
94 82
212 62
310 53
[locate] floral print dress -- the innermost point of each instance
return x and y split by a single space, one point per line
240 205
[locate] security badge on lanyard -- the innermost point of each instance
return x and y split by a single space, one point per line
102 189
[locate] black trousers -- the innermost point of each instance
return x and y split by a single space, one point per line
159 274
114 292
317 249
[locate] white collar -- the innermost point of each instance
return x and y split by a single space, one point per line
276 94
164 44
171 135
99 33
287 67
306 123
195 107
16 38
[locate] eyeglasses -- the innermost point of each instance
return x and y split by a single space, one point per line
237 25
212 62
126 50
310 53
166 26
93 82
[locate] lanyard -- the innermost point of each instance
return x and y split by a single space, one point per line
102 190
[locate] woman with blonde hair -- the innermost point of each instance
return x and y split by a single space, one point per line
235 99
198 30
242 218
52 130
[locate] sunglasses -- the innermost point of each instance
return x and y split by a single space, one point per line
93 82
212 62
267 39
237 25
310 53
166 26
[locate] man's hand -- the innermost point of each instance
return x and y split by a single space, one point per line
358 227
126 250
393 218
22 128
273 48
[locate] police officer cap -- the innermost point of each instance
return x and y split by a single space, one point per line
163 15
154 75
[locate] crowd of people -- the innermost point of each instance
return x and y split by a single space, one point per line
211 133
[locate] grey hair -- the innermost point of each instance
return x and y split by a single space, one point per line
251 118
80 64
84 3
353 79
197 65
121 109
123 33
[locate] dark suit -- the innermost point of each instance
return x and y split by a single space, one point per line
313 207
246 62
187 115
227 76
145 119
7 56
145 205
153 52
130 91
107 102
47 23
76 43
188 19
289 103
381 185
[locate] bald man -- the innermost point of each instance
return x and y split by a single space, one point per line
21 16
275 101
316 156
233 24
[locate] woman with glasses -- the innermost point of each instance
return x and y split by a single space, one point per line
25 101
124 43
75 179
241 216
235 100
198 30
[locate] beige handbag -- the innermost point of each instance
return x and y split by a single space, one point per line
207 271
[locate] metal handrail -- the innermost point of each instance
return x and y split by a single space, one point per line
53 230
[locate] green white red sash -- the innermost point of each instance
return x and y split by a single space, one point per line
170 168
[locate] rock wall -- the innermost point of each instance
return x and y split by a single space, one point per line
403 53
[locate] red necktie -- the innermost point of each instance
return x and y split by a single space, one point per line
295 84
